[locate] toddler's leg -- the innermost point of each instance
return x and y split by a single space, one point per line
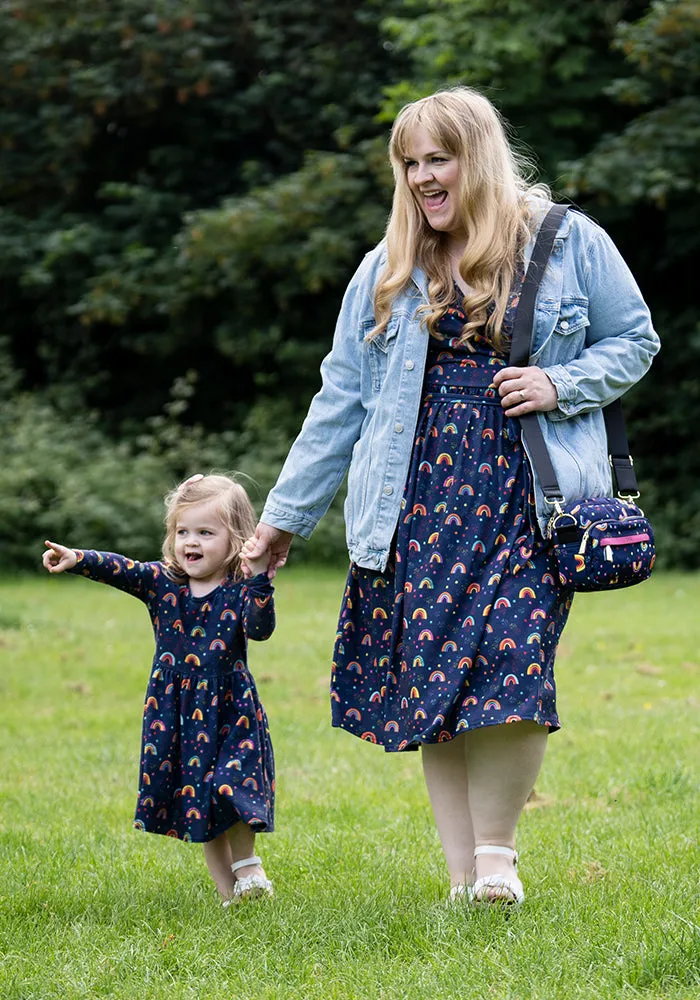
445 771
230 847
251 882
217 854
242 844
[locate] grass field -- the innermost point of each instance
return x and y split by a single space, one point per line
91 909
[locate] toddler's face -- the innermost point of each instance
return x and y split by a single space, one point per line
202 543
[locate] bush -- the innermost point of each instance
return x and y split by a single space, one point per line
63 478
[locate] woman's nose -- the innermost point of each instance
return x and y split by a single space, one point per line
424 172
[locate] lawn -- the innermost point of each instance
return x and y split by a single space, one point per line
90 908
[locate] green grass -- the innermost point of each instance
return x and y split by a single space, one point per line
90 908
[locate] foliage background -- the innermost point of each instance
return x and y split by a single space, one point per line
186 187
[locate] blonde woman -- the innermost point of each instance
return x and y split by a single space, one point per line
452 611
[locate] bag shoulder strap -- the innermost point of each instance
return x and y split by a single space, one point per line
521 346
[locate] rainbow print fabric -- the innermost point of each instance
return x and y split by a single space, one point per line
206 755
461 630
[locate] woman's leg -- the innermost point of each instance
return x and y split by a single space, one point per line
502 764
445 771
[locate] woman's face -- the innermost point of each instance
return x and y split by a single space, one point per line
433 177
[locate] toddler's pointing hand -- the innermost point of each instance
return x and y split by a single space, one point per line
58 558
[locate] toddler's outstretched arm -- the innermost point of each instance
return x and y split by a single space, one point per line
57 558
133 577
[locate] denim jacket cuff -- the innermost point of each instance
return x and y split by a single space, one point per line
566 392
296 523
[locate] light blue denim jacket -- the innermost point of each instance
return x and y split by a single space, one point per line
593 334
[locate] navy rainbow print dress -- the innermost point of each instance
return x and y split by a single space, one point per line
206 755
460 631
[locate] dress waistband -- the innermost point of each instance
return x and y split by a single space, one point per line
460 377
438 390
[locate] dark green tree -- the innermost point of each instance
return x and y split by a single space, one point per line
185 187
186 183
645 177
604 94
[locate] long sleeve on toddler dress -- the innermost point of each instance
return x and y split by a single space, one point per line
258 608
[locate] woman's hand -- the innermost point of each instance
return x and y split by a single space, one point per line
267 543
525 390
58 558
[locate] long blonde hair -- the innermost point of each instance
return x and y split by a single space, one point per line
233 508
493 206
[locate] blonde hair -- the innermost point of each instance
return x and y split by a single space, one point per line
233 508
493 185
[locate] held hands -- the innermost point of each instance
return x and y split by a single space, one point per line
267 548
57 558
251 567
525 390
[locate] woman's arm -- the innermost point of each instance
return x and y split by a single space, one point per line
320 456
620 343
620 340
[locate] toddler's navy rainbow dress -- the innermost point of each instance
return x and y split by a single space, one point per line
460 631
206 756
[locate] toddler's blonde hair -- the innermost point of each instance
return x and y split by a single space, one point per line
233 507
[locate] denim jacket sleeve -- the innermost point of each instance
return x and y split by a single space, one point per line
620 338
320 456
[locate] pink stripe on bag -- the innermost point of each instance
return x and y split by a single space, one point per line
626 539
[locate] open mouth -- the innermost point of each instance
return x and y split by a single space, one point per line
434 200
193 557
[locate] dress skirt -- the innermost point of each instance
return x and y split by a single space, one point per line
461 630
206 760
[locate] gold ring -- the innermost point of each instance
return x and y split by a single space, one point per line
522 396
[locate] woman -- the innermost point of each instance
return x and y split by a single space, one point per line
452 611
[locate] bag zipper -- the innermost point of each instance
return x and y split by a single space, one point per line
594 524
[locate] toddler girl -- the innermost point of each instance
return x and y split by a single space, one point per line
207 768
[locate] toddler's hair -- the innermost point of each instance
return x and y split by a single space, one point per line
233 507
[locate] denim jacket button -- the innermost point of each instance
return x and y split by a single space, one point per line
398 428
410 365
388 490
564 325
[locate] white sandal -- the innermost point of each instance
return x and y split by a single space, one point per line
249 886
511 884
459 892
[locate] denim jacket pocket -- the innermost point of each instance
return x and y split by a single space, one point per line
378 351
563 335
